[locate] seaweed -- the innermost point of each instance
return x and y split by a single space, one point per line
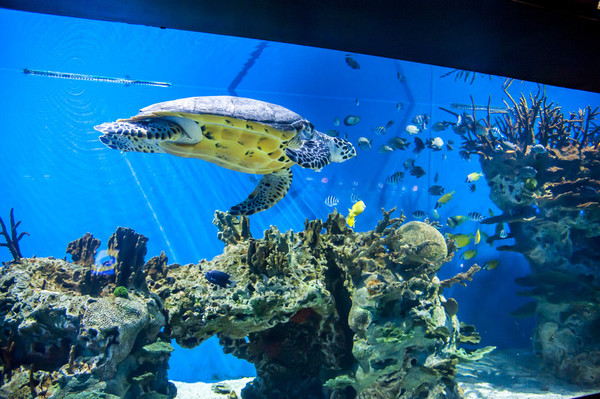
12 240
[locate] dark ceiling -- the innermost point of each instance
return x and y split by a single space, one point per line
553 42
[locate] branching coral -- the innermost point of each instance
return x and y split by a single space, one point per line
12 239
543 170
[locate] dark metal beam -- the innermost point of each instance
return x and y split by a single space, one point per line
553 42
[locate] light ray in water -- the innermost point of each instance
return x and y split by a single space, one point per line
94 78
469 107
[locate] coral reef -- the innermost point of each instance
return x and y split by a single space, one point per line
543 170
12 239
65 336
337 314
322 313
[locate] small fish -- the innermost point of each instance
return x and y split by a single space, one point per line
439 126
436 190
398 143
497 134
486 237
499 228
351 120
401 77
354 198
419 145
462 240
457 220
508 146
351 62
491 264
336 122
421 121
434 214
449 145
409 164
419 214
332 133
472 187
395 178
538 149
385 149
357 101
364 143
219 278
444 199
464 155
503 233
437 176
331 201
356 210
411 129
473 177
470 254
477 237
105 262
527 172
389 124
476 216
379 130
436 144
417 171
399 106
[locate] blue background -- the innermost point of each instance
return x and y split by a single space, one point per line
63 182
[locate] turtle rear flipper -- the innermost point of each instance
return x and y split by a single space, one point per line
143 136
271 188
312 154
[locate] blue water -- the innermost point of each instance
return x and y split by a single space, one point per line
63 182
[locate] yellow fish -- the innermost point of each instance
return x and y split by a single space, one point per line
474 177
454 221
356 210
491 264
462 240
444 199
477 237
470 254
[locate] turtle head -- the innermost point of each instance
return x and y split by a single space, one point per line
341 150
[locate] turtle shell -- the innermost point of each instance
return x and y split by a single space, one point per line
240 134
241 108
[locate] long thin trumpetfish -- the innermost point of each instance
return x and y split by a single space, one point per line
469 107
76 76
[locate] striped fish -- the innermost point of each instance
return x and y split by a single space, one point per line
395 178
476 216
331 201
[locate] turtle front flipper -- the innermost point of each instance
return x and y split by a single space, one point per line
312 154
271 188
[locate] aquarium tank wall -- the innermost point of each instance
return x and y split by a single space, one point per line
195 215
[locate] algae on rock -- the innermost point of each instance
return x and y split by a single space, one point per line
333 314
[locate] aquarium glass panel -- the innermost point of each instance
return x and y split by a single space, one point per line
182 209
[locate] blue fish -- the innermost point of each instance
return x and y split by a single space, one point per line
219 278
105 262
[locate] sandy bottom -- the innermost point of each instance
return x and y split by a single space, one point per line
513 374
204 390
506 374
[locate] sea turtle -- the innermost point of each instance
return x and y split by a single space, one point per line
240 134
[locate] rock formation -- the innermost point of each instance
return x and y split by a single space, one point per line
321 314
